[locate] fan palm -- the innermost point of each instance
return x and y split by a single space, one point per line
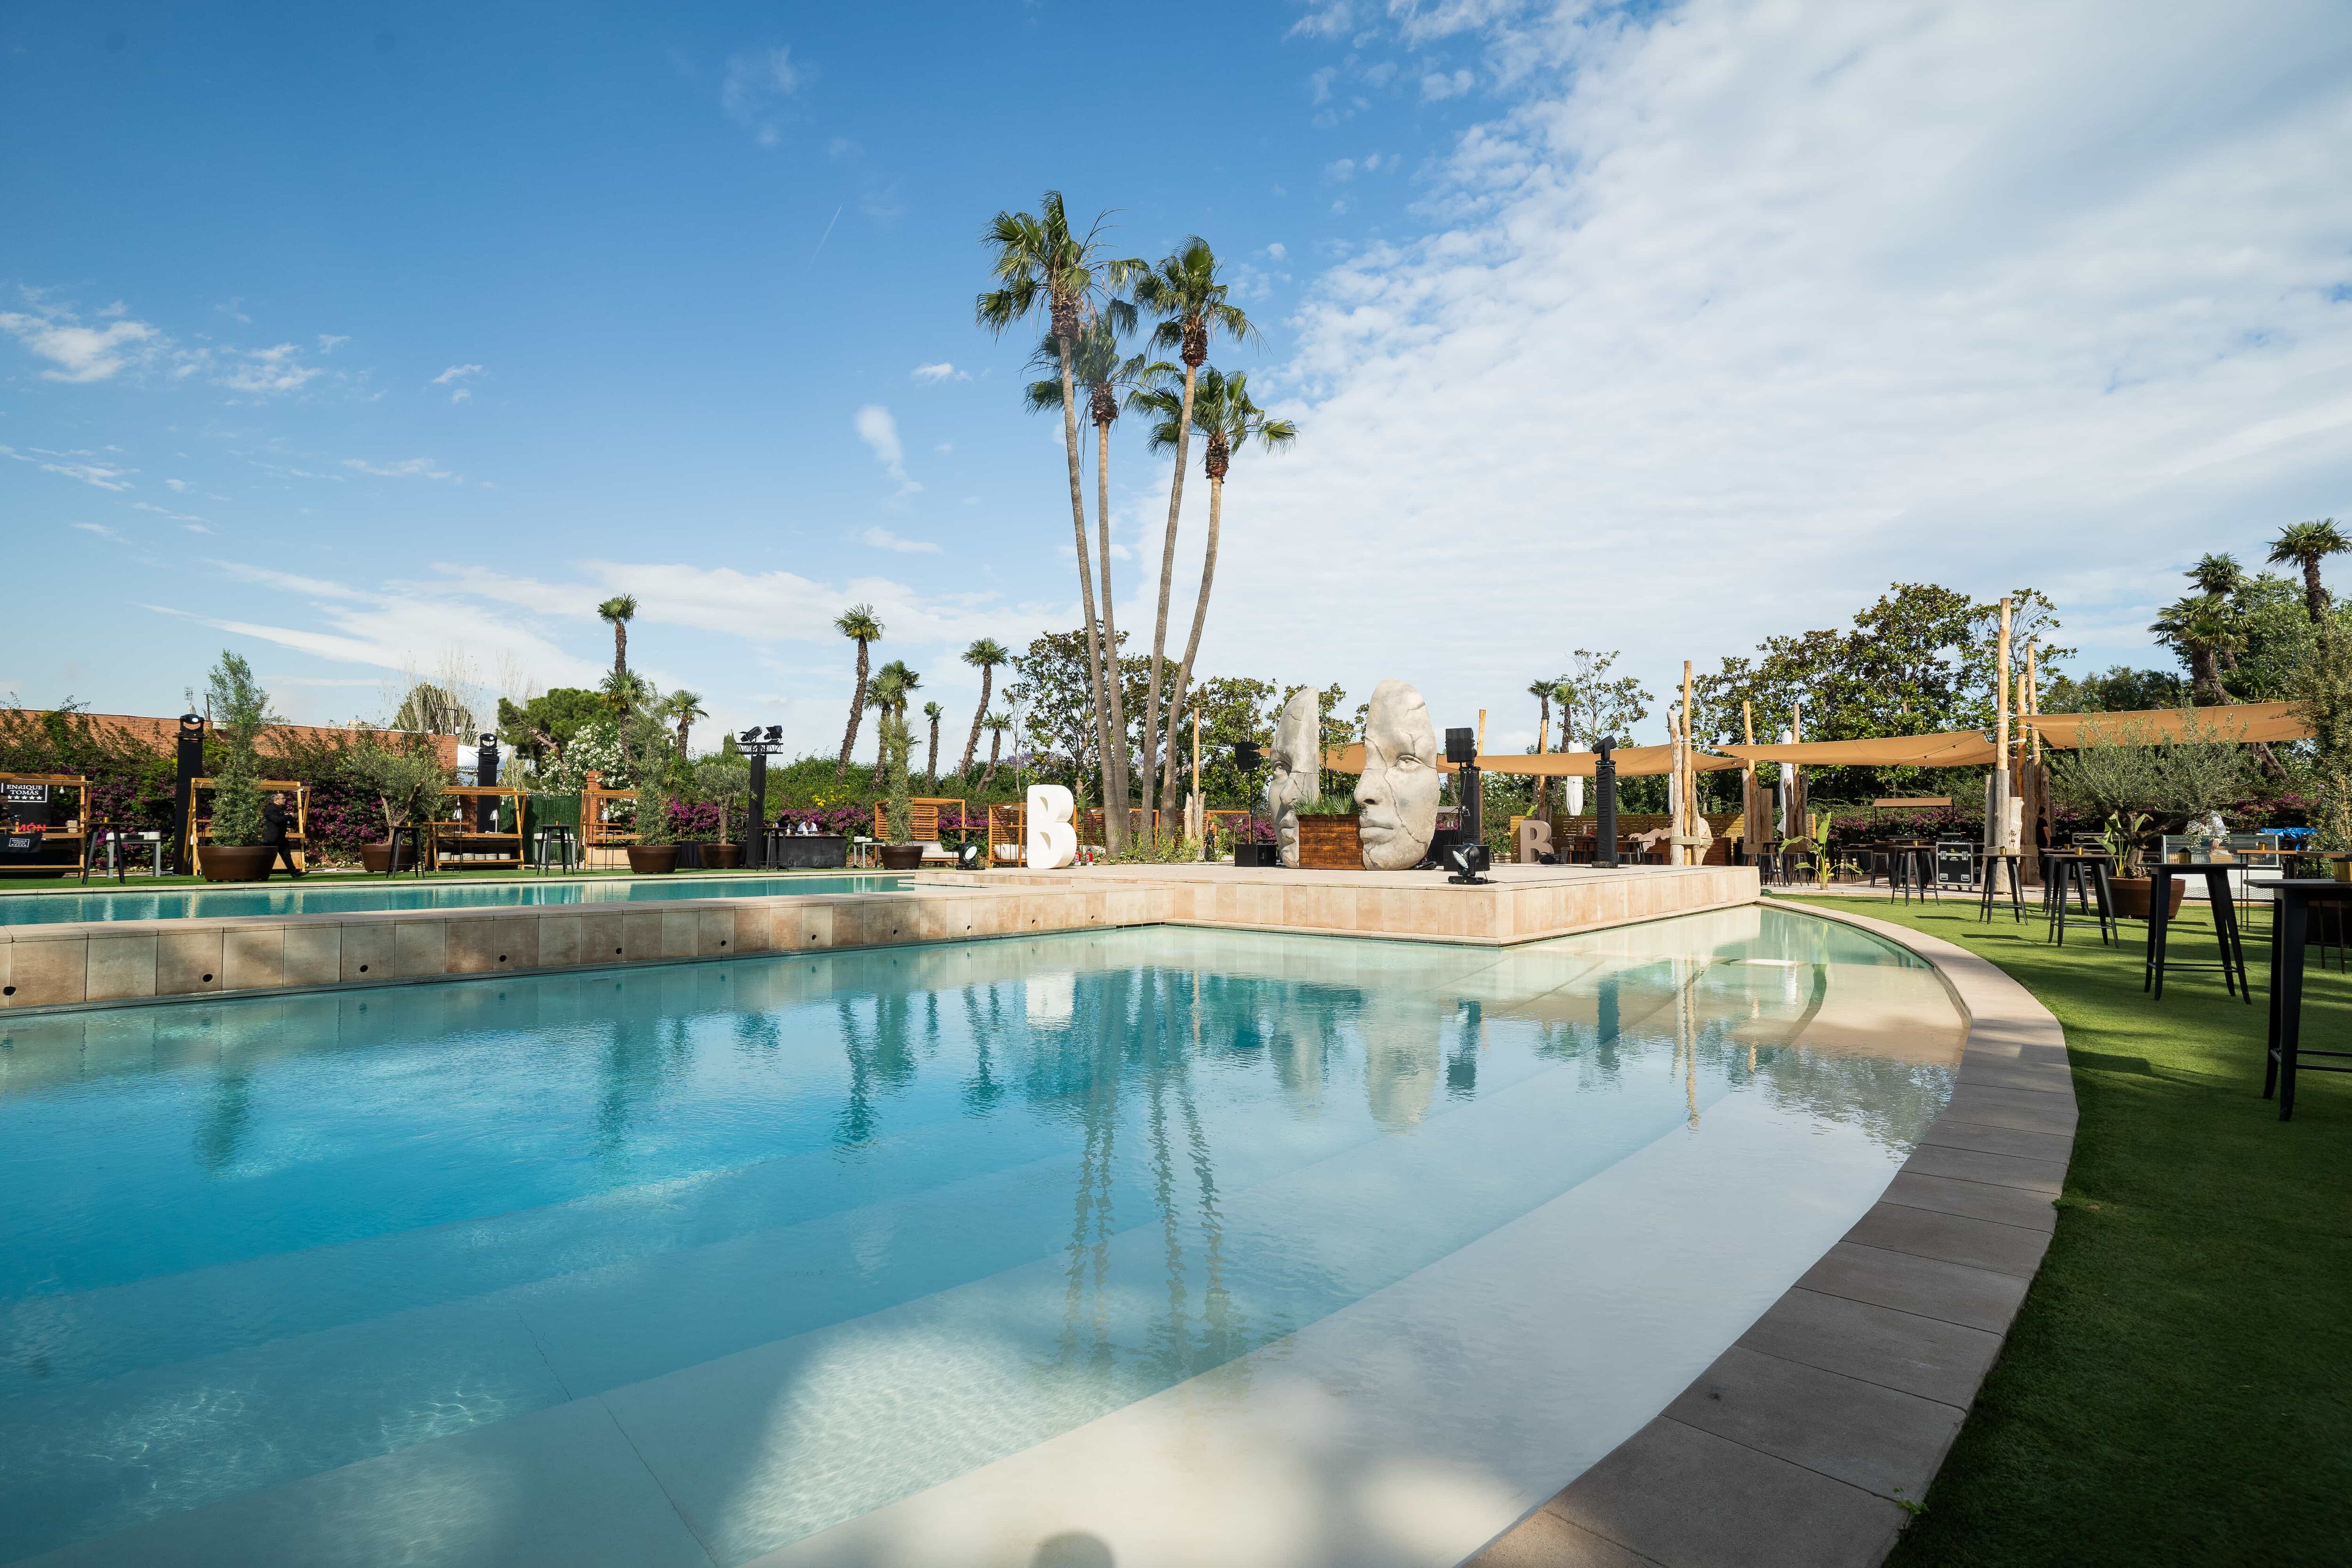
1041 266
984 654
1541 691
2202 629
617 612
682 708
2307 544
1228 421
996 724
934 712
1186 293
1106 378
2217 574
858 625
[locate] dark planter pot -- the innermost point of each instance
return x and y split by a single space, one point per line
653 860
902 856
721 857
234 862
376 857
2132 897
1330 844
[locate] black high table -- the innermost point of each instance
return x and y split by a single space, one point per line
2087 876
2290 925
2225 927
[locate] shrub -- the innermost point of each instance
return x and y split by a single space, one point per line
240 712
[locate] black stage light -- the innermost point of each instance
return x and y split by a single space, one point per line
971 857
776 732
1468 860
749 735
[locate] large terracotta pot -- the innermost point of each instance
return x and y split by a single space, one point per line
376 857
902 856
1330 844
653 860
234 862
2132 897
721 857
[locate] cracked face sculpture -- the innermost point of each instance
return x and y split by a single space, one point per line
1295 768
1397 795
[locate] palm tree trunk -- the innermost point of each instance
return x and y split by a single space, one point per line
1192 647
857 714
2315 592
995 741
1116 781
620 648
931 764
1543 730
1114 832
1168 580
977 714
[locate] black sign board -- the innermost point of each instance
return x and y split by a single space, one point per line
26 794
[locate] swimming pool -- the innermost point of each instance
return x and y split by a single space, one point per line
347 896
1180 1246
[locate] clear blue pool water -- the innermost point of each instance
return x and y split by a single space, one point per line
700 1263
318 895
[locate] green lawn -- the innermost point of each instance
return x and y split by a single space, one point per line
2177 1388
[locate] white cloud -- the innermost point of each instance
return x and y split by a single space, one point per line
880 432
79 354
177 487
1339 169
405 468
1324 22
938 372
1741 314
1437 85
453 379
883 539
165 512
329 342
103 477
274 369
98 528
1276 252
756 81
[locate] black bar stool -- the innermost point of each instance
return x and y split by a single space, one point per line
2086 876
1995 862
2232 965
2290 925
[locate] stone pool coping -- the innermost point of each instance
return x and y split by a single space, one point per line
1807 1441
113 963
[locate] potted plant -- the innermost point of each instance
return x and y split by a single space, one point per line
726 783
2122 774
901 853
654 850
240 711
1327 839
406 782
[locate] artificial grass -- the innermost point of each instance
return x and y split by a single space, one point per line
2177 1386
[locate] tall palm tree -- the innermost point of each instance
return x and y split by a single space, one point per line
2307 544
617 612
1228 421
996 723
858 625
984 654
2202 629
1107 379
892 684
934 712
1185 292
1041 266
682 708
2217 575
1541 690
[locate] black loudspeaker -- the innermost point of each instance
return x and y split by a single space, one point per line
1462 747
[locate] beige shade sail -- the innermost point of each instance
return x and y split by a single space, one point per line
2243 722
1946 749
1633 762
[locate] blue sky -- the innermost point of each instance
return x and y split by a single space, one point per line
370 346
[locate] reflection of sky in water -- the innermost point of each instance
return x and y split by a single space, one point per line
324 896
969 1196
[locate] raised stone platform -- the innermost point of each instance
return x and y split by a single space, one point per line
113 963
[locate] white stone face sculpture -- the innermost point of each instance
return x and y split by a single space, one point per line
1049 838
1397 796
1295 768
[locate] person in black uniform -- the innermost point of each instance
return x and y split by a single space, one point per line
275 821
